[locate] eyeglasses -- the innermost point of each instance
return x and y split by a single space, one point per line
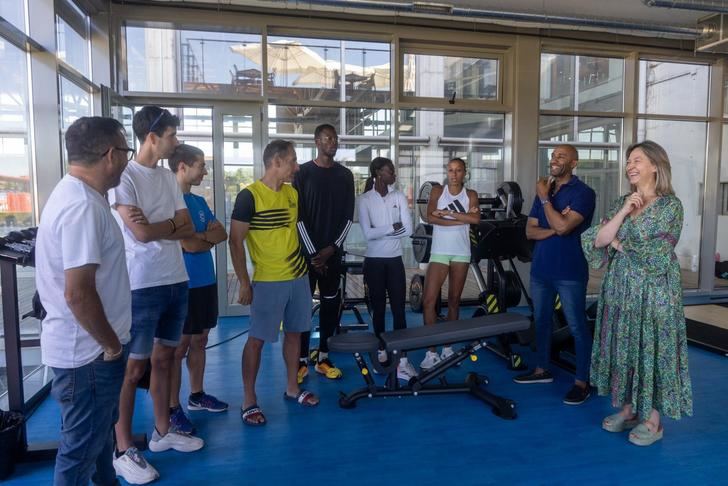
156 120
130 152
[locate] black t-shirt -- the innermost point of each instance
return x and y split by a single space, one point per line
326 205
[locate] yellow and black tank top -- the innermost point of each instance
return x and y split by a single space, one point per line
272 239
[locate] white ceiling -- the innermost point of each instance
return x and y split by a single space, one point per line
625 11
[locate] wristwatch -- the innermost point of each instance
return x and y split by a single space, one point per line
544 202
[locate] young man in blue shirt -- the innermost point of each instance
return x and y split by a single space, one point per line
188 164
562 210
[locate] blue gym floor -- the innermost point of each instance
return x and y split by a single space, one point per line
422 440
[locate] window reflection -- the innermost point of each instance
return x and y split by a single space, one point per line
669 88
445 76
14 12
181 61
581 83
16 206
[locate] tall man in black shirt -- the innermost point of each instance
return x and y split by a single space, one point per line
326 211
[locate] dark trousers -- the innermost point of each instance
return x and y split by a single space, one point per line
385 276
330 298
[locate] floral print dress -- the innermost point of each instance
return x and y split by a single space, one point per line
640 352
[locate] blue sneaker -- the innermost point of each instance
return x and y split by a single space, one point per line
206 402
179 422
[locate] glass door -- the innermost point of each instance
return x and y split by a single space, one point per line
238 144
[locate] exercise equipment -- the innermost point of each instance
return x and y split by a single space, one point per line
707 326
474 331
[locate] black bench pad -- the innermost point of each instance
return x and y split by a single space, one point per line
426 336
354 342
455 331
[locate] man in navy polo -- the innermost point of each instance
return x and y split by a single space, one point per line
562 210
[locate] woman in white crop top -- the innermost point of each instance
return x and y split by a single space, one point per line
385 219
451 210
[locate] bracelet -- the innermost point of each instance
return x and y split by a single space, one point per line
112 357
174 226
544 202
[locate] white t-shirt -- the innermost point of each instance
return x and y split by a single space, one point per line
452 240
156 193
77 229
377 215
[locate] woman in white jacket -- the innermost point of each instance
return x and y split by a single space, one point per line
384 218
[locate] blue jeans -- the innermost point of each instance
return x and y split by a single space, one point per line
89 399
573 303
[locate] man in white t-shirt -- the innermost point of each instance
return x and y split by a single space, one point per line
153 217
83 285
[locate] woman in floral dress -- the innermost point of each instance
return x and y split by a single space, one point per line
640 348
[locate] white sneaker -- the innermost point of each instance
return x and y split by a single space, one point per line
175 440
382 356
134 468
405 370
431 359
446 352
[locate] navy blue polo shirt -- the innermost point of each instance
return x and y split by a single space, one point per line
561 257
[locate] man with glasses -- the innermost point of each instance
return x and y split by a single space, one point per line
561 212
83 285
153 218
326 207
188 164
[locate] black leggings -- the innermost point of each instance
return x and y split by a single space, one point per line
385 276
330 303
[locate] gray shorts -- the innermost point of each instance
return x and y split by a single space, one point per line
287 302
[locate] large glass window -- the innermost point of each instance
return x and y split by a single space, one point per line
571 83
326 69
685 145
581 83
75 103
432 76
721 242
72 34
14 12
669 88
183 61
16 201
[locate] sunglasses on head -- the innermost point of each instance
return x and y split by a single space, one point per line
157 120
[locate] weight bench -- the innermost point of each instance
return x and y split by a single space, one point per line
475 331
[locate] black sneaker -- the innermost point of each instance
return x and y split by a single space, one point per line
577 395
533 377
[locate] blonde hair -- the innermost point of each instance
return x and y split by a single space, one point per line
658 157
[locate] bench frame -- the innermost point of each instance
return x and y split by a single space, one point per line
422 384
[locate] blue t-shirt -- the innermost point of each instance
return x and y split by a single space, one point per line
199 265
561 257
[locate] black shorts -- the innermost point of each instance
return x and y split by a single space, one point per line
201 310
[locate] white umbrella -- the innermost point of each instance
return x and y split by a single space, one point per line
284 57
326 75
